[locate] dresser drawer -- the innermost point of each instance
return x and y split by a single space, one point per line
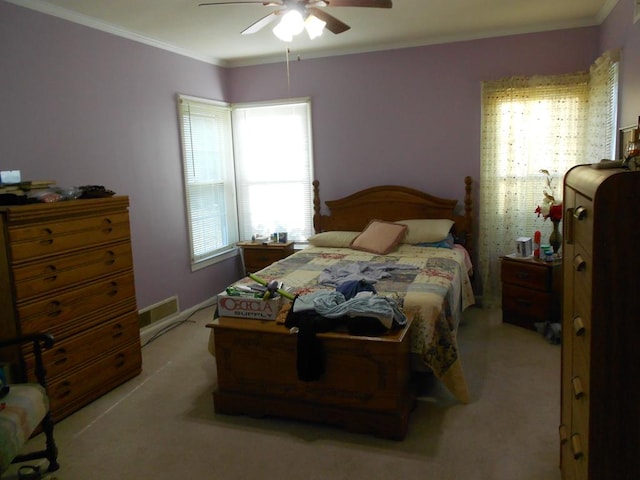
37 278
526 274
69 393
76 351
69 305
582 222
48 238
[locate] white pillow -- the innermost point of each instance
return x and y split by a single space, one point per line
334 239
426 230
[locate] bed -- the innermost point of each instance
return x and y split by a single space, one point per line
428 280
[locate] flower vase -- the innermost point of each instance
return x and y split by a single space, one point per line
555 239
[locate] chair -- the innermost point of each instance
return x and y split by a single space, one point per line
25 407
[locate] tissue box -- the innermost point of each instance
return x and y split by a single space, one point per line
248 307
10 176
524 247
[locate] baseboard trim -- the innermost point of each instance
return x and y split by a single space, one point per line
148 332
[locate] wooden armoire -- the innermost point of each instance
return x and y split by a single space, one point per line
66 268
600 405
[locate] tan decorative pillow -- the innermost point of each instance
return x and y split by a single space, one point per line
334 239
379 237
426 230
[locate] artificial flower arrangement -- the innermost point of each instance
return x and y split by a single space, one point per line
550 207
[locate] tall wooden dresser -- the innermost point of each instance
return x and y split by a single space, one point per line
66 268
600 405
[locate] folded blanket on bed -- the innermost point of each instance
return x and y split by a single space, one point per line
359 271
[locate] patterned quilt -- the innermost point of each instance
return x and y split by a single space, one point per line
435 293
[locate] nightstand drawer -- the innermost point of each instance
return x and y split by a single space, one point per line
257 256
526 274
524 307
262 258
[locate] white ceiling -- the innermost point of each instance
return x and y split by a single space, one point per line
212 33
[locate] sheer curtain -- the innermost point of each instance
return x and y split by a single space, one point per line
529 124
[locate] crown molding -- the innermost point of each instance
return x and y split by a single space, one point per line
91 22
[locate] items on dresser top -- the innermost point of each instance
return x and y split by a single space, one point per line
67 268
46 191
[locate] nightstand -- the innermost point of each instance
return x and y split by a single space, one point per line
257 256
531 291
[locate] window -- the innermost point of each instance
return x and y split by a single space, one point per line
529 124
274 170
247 176
207 150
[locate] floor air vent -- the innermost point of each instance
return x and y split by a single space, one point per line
158 311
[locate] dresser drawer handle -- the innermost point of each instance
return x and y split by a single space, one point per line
580 213
522 274
578 392
63 390
53 310
117 330
579 263
564 436
49 271
578 326
576 446
523 302
114 289
60 356
108 225
46 232
120 360
109 258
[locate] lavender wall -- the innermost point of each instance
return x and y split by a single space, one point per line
619 31
409 116
81 106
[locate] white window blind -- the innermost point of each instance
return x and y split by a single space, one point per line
207 148
274 168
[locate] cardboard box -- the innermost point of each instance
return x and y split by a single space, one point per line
524 247
248 307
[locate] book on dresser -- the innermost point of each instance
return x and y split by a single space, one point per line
66 268
600 396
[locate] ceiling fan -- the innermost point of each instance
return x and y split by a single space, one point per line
309 12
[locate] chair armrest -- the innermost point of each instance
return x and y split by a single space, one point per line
39 341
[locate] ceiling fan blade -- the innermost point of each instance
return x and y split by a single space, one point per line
333 24
266 4
360 3
260 24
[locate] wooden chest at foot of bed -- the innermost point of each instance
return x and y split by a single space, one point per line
365 387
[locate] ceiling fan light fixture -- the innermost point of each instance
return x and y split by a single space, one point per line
314 26
291 24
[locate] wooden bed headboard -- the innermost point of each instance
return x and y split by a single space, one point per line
392 203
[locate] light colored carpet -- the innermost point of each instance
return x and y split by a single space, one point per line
161 425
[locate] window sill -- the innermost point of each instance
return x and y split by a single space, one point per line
217 258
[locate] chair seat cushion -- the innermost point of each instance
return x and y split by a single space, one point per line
21 412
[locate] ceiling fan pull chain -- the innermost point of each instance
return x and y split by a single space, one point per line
288 76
